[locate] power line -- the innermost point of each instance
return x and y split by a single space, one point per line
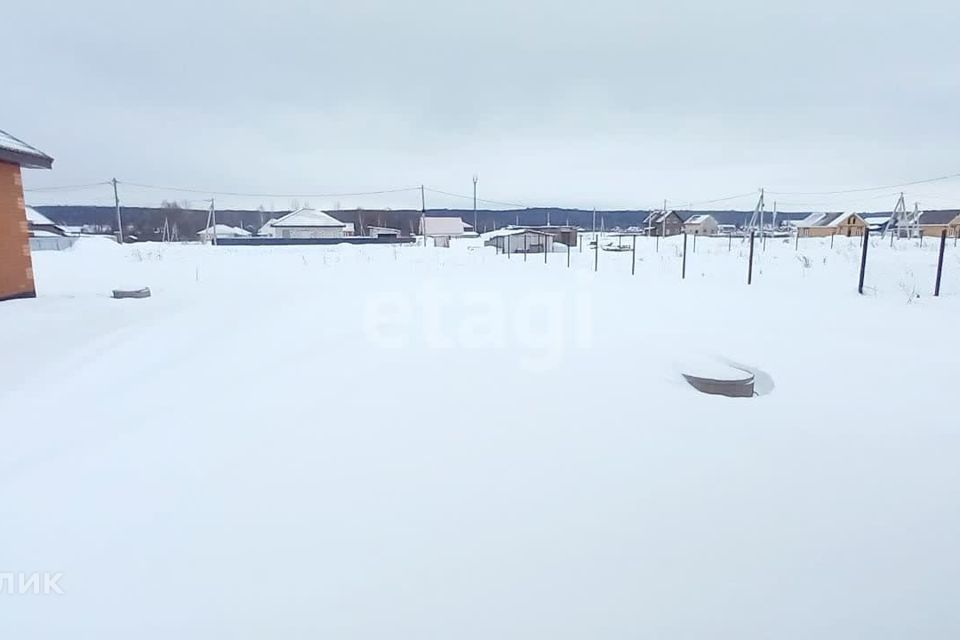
724 199
889 186
460 195
69 187
265 195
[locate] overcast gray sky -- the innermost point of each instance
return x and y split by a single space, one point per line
613 103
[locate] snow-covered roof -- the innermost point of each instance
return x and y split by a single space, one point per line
265 229
511 231
35 217
15 150
657 217
826 219
838 219
811 220
224 231
938 217
700 218
306 217
442 226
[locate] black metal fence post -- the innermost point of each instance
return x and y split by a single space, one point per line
943 244
546 247
683 270
568 256
863 259
750 268
596 253
695 242
730 242
633 257
832 236
526 246
796 245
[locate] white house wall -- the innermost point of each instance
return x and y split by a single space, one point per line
308 232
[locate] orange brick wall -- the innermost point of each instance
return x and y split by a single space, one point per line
16 269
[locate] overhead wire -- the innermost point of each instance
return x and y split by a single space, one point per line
68 187
865 189
239 194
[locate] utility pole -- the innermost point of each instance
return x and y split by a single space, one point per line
475 204
116 201
423 216
213 218
756 220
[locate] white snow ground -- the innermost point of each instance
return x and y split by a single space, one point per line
378 442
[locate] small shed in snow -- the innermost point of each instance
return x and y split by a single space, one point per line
45 235
701 224
519 240
564 234
383 232
222 231
308 223
443 227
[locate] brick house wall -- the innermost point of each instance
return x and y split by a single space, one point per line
16 268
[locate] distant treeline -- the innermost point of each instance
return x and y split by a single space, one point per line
148 223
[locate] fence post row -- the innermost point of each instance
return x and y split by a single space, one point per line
863 259
683 268
750 267
943 244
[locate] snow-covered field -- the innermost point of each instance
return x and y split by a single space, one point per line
380 442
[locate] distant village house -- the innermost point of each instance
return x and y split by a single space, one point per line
306 223
823 225
663 223
701 224
933 223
